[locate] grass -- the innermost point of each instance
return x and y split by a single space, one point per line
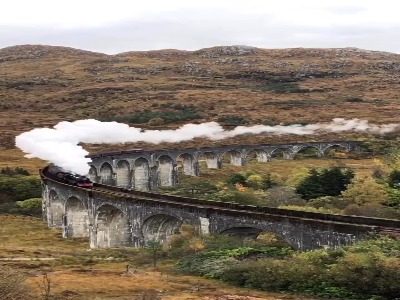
15 158
78 273
26 236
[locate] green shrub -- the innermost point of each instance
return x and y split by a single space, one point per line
394 179
207 266
222 242
31 207
32 204
237 178
366 270
16 171
245 252
20 187
232 119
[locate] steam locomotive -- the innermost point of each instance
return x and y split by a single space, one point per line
61 175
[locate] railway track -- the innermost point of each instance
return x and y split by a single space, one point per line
384 226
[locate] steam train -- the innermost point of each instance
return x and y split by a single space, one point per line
61 175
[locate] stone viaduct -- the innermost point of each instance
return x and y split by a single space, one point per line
117 217
146 170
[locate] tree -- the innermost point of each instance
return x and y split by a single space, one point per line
394 179
155 248
269 182
311 186
327 182
237 178
365 191
255 181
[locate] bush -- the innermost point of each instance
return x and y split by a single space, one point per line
222 242
207 266
394 179
16 171
20 187
328 182
30 207
232 119
329 202
237 178
366 270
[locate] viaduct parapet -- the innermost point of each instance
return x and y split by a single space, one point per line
147 170
116 217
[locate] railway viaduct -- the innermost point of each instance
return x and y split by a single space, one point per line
146 170
117 217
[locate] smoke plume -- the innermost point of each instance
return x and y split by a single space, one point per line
59 145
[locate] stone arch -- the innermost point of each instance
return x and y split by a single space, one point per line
160 228
76 221
165 170
335 149
141 174
234 157
123 172
253 232
244 232
308 151
106 174
279 153
93 173
186 164
209 160
55 211
257 155
113 228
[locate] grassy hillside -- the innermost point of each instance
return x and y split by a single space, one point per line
41 85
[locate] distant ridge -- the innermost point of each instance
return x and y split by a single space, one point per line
236 85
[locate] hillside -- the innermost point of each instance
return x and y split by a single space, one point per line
41 85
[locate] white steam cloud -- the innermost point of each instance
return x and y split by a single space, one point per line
59 145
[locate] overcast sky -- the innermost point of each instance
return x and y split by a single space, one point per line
124 25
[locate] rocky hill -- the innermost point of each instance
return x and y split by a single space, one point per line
41 85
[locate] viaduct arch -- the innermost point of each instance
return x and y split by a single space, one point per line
145 170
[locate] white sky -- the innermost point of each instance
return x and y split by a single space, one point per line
125 25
